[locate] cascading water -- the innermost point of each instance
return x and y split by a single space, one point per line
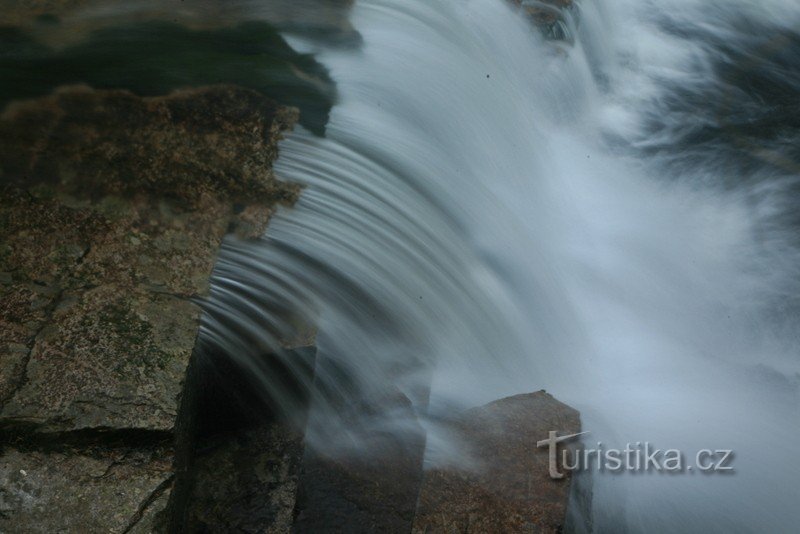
490 213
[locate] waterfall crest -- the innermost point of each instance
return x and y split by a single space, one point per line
492 213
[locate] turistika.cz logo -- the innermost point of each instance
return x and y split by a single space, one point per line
640 456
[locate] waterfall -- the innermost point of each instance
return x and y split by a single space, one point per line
608 218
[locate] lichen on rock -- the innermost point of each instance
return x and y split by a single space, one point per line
114 207
65 491
112 211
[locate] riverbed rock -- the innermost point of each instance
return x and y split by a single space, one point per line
502 483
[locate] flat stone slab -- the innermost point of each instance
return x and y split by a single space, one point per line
46 492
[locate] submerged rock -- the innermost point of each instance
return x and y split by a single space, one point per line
156 57
504 484
326 19
16 12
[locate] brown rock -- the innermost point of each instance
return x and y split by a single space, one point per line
506 487
189 149
112 212
546 15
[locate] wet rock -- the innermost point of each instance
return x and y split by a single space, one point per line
504 483
238 454
185 152
107 359
370 479
549 16
246 482
65 491
113 205
113 209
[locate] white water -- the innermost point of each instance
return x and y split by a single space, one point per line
482 207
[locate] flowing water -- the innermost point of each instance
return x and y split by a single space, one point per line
608 218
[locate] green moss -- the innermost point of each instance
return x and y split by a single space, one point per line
154 58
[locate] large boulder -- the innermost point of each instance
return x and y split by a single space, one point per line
503 482
112 211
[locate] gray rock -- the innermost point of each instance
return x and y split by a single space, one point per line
106 491
247 482
373 486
